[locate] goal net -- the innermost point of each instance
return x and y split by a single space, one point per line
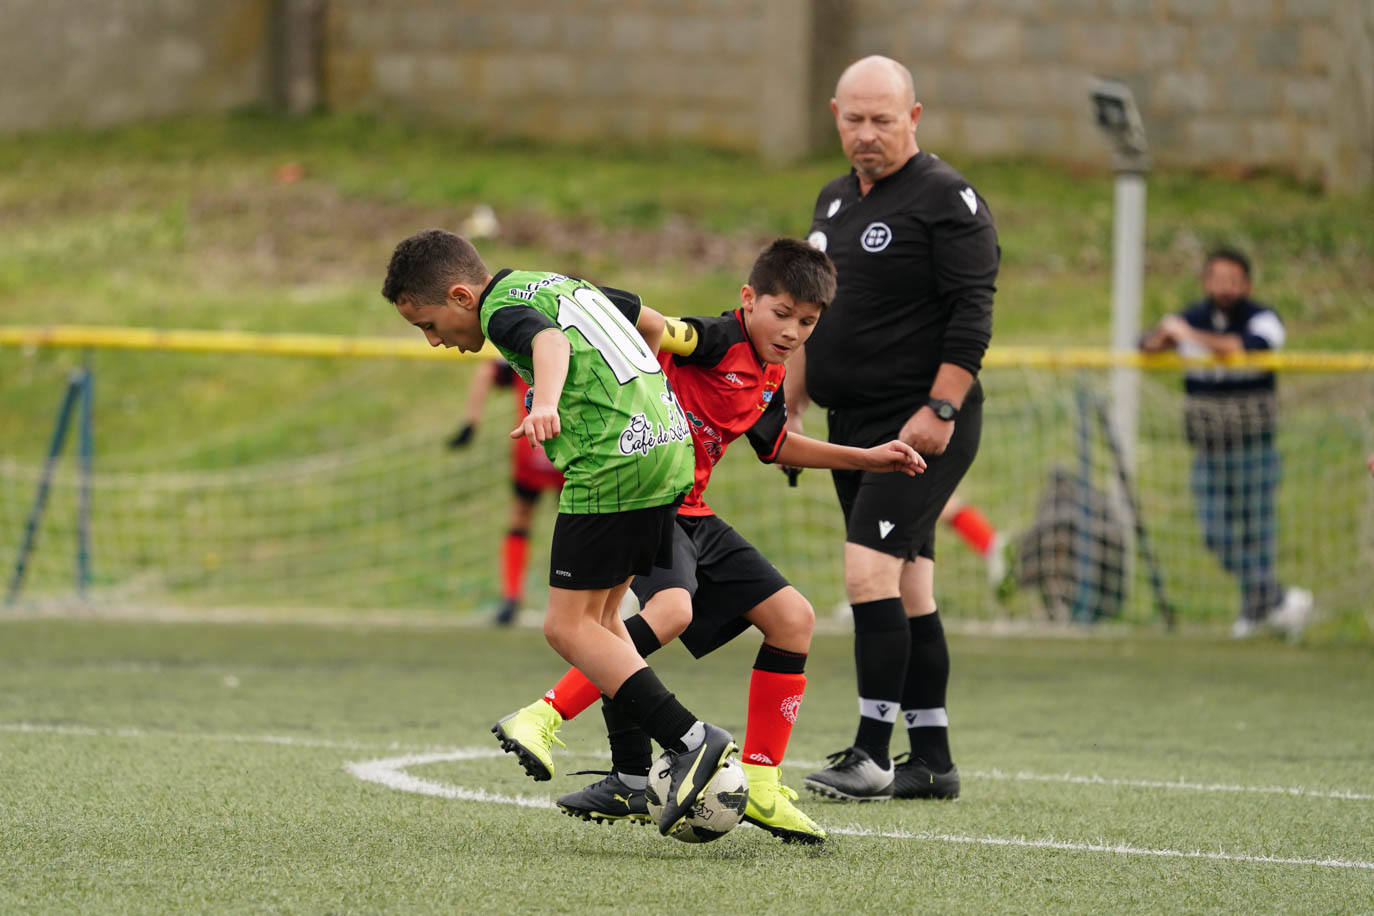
279 482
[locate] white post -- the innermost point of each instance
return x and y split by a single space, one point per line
1128 283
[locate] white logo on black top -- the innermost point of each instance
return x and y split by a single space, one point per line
885 528
970 199
834 205
817 240
876 237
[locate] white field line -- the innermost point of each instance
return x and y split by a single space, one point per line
993 775
390 772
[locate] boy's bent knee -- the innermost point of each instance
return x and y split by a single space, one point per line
668 613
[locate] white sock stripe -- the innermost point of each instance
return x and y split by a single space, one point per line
926 718
882 710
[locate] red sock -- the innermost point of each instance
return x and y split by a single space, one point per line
572 694
773 703
974 528
515 551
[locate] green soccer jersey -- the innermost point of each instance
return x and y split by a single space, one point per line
625 443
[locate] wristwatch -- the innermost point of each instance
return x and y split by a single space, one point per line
945 410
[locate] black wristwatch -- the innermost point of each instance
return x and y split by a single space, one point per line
945 410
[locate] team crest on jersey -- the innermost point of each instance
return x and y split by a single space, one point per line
817 240
876 237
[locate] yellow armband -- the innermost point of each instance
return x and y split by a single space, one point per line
679 337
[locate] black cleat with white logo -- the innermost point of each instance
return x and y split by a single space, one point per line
852 775
689 772
606 802
913 778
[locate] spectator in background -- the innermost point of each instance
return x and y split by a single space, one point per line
1230 420
531 474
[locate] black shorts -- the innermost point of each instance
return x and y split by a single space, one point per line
893 513
725 575
603 550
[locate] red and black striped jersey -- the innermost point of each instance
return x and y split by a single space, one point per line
726 391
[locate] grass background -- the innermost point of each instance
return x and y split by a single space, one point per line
191 766
202 224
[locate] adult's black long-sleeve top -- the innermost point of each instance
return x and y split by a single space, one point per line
917 260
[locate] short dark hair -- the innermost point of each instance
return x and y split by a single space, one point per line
424 266
1228 254
796 268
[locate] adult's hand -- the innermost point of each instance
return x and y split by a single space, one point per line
927 433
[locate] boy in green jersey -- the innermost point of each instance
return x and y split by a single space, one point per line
605 415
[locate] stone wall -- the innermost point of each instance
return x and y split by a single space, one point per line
1218 82
1287 84
577 69
101 62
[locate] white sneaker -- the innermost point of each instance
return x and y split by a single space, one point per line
996 560
1243 628
1293 613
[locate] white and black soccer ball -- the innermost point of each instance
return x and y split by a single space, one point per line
718 810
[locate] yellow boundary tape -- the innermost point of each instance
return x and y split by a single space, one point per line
114 338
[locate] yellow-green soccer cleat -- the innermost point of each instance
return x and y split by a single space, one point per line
530 734
770 808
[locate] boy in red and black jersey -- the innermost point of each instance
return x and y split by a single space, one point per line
727 374
531 474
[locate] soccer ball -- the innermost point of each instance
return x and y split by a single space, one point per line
719 808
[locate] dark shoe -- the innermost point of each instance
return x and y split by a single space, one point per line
607 801
852 775
689 772
915 779
506 615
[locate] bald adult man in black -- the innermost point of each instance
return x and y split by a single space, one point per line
897 354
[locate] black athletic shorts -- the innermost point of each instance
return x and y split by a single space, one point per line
603 550
725 575
894 513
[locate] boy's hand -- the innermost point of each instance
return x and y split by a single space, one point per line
895 456
541 424
463 436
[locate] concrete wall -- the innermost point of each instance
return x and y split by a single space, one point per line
577 69
1243 82
1287 84
100 62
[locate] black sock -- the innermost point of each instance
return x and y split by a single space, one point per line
650 705
631 753
923 699
643 636
780 661
881 644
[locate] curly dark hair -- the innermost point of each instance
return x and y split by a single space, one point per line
424 266
794 267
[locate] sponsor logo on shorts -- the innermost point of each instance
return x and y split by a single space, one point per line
884 529
562 572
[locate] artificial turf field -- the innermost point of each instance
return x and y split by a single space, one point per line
347 766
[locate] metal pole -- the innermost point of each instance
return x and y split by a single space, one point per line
40 499
87 445
1128 283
